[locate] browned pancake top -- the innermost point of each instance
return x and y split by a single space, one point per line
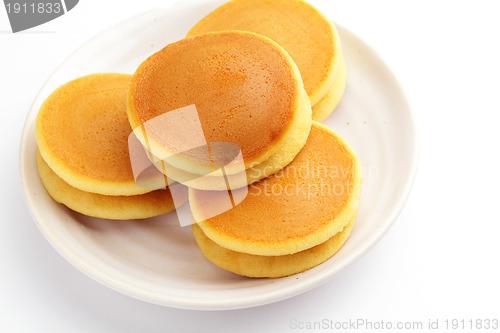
242 85
84 125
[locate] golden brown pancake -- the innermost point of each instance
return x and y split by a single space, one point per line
322 109
299 207
245 87
306 34
105 206
82 132
270 266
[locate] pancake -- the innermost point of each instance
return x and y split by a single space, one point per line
245 90
105 206
299 207
322 109
303 31
82 132
270 266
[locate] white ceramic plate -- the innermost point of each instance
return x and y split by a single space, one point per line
158 261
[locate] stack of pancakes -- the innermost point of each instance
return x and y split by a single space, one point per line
231 112
289 222
83 159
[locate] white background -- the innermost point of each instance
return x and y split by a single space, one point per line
440 260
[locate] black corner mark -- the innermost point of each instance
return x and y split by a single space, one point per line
25 14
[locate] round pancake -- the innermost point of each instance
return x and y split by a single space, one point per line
104 206
246 89
303 31
322 109
295 141
270 266
82 132
297 208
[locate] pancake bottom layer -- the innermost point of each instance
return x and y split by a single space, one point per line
82 130
104 206
270 266
322 109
